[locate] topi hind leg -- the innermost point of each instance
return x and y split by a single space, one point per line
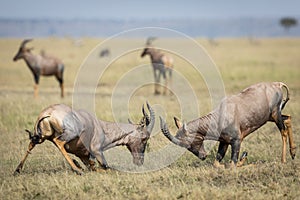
156 81
35 87
62 90
165 87
284 140
284 135
288 124
36 90
278 119
158 86
170 80
61 85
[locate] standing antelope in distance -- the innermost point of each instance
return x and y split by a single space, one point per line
162 65
80 133
44 65
235 118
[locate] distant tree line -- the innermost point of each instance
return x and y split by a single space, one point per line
288 22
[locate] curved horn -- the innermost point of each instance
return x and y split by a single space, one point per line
29 133
165 130
25 42
152 118
145 115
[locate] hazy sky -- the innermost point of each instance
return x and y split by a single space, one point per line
149 9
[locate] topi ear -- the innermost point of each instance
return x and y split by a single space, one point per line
177 122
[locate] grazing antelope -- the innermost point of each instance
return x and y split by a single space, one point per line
235 118
41 65
80 133
162 66
104 52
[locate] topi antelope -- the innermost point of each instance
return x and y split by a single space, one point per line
80 133
235 118
104 53
41 65
162 65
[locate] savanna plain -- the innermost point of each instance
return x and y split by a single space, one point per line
240 62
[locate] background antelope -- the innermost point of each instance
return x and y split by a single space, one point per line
162 65
104 52
235 118
80 133
44 65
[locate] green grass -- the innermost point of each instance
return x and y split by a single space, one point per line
46 175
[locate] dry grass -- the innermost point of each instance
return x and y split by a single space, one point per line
47 175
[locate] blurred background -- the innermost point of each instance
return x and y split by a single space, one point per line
98 18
